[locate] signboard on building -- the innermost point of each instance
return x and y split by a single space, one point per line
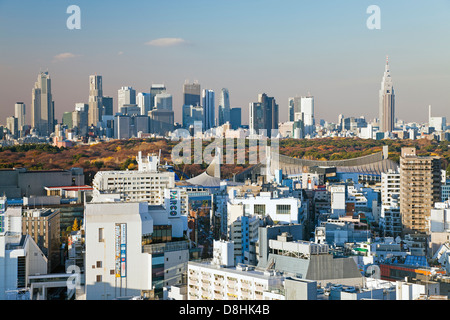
121 250
173 202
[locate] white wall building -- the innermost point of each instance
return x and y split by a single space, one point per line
338 198
283 209
145 184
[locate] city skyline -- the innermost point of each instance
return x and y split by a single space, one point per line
267 58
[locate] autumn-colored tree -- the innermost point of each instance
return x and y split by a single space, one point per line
75 226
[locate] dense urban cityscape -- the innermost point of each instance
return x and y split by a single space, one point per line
282 227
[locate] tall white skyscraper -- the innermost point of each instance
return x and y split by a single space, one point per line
307 109
208 98
95 99
126 95
42 105
224 107
387 102
19 113
143 101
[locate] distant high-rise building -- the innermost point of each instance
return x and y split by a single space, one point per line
67 119
161 121
191 94
437 123
42 105
291 109
108 106
264 115
224 106
122 127
143 101
192 114
125 95
307 109
12 126
80 118
154 90
95 100
19 113
235 118
208 104
420 182
163 101
387 102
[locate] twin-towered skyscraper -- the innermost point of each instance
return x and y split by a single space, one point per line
42 106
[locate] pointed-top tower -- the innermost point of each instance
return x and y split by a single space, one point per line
387 101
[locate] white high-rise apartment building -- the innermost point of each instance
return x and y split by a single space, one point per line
390 218
390 185
145 184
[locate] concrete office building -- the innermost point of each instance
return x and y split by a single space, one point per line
125 95
132 249
235 118
20 114
161 121
420 181
122 127
145 184
95 100
42 106
20 182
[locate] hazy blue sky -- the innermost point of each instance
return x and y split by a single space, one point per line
283 48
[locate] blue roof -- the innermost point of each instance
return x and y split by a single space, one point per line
416 261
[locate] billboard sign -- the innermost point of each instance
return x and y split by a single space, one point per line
120 250
173 202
